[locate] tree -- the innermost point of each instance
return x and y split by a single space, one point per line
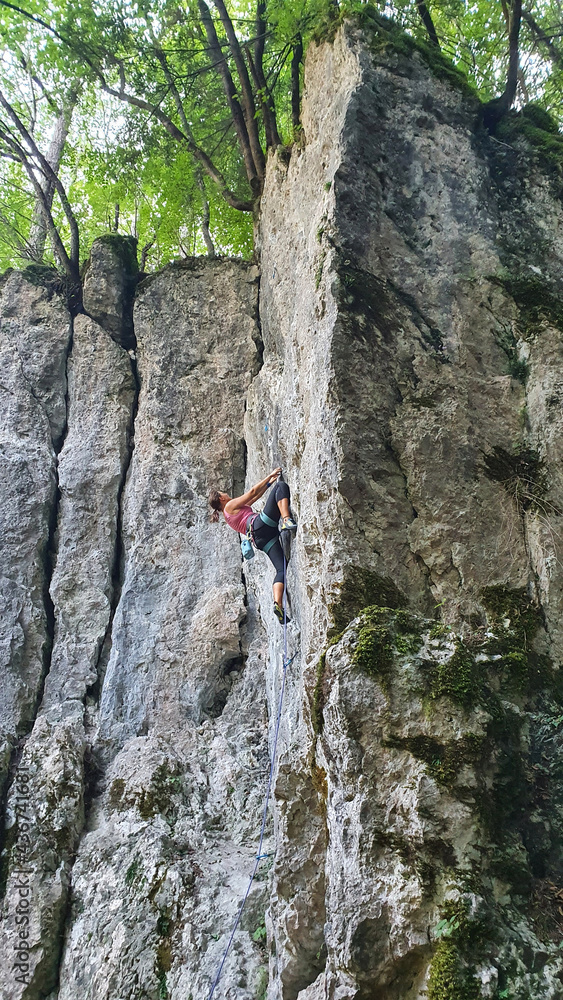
173 106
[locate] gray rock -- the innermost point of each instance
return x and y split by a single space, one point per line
91 467
183 695
109 286
393 394
409 386
35 335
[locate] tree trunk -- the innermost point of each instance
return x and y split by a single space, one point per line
497 108
256 64
427 21
249 108
38 230
295 84
33 159
231 94
205 217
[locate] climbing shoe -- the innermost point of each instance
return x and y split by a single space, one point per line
278 611
288 524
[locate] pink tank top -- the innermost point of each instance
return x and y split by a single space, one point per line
239 520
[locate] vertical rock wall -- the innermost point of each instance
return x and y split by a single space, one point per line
129 777
35 336
412 336
406 373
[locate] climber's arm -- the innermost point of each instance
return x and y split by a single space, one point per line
254 493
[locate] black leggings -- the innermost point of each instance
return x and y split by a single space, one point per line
263 533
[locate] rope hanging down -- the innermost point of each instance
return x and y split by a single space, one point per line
259 855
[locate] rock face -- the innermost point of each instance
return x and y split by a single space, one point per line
35 334
405 369
405 390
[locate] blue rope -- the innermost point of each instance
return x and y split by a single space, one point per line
259 855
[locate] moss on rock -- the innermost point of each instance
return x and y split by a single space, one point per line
443 760
360 589
387 36
374 650
460 677
534 297
449 979
123 248
540 131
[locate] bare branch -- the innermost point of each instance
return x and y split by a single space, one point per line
210 169
295 72
54 179
428 23
266 103
539 34
246 88
58 245
231 95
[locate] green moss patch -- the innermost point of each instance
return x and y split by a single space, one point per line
123 248
317 708
461 934
535 299
460 678
443 761
362 588
159 796
386 36
503 604
540 131
384 633
133 871
516 621
374 650
449 978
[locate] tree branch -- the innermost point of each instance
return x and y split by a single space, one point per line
497 108
205 217
266 103
231 95
296 58
210 169
249 108
428 23
58 245
52 178
539 34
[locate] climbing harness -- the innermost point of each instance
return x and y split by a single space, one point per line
248 543
267 520
259 855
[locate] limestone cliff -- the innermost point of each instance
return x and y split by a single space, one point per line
399 354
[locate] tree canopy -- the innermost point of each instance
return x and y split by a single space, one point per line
154 117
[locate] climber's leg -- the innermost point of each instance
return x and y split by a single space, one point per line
276 556
278 501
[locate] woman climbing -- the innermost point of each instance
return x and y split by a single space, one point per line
264 526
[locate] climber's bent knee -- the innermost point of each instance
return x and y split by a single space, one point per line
281 491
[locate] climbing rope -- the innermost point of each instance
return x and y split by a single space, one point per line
259 854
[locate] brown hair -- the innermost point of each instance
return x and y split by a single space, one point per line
215 502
